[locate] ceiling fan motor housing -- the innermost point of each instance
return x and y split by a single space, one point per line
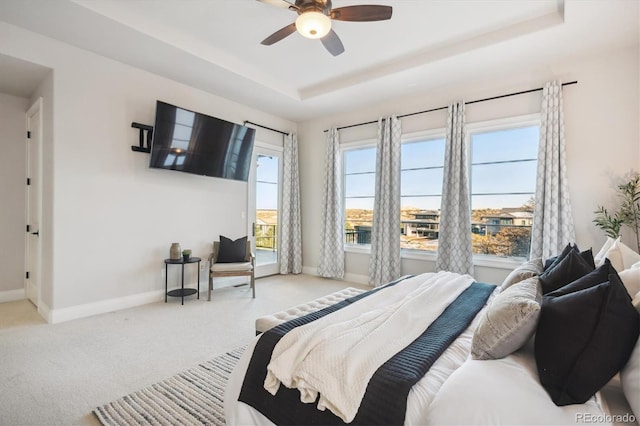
314 20
322 6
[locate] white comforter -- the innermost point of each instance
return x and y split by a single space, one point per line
420 396
344 348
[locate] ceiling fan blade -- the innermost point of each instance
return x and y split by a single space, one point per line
279 35
362 13
332 43
280 3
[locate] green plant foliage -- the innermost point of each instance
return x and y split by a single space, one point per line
610 224
628 214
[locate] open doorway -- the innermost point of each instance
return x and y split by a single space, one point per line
265 182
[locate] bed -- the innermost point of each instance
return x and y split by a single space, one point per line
472 377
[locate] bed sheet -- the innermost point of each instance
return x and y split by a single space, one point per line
507 391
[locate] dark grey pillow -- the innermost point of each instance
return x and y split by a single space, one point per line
597 276
568 269
584 338
231 251
587 255
553 261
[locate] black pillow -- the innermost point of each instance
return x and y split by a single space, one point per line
566 270
587 255
595 277
583 339
553 261
231 251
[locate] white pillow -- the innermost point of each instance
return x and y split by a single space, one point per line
636 302
631 278
629 257
599 257
620 256
630 374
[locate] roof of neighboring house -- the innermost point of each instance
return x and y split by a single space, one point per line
418 221
510 215
428 212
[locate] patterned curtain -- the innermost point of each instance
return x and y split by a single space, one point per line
385 231
290 228
552 218
331 262
455 252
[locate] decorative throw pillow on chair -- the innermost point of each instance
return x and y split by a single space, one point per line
231 251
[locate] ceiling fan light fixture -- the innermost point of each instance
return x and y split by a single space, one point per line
313 24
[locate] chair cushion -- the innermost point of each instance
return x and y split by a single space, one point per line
231 251
231 267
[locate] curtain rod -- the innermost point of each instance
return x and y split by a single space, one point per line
265 127
445 107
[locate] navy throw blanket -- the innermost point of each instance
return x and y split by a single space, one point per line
385 399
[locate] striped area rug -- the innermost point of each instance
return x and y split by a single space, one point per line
189 398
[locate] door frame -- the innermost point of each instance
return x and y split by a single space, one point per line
33 246
261 148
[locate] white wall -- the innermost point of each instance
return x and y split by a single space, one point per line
12 195
601 114
112 218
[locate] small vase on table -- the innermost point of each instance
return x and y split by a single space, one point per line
175 251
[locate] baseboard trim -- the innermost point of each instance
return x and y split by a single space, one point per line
54 316
354 278
104 306
12 295
357 278
310 270
45 312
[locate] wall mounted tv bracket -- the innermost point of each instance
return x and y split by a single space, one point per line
143 128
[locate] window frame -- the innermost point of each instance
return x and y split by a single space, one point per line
504 123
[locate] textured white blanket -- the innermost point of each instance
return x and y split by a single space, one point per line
336 356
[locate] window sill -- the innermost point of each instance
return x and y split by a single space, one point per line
430 256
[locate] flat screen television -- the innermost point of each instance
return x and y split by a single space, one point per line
196 143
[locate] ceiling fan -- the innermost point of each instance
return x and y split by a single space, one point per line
314 20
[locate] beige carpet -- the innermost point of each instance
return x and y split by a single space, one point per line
57 374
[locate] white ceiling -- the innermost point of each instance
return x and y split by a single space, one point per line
215 44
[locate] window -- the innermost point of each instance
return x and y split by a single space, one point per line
422 166
359 186
503 179
502 160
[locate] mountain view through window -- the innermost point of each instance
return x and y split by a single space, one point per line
502 176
